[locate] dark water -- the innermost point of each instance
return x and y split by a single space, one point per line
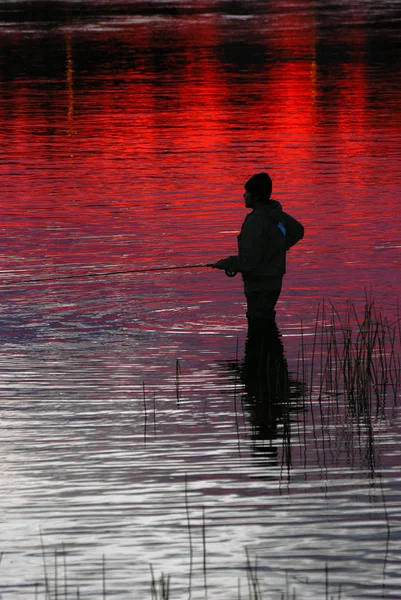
127 132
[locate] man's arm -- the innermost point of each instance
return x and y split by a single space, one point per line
294 230
251 249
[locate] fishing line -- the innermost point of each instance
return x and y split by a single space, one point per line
101 274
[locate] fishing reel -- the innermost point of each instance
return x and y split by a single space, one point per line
230 273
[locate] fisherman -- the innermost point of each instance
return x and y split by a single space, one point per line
267 233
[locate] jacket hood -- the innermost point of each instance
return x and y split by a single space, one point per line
271 209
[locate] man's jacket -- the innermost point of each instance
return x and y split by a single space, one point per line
266 235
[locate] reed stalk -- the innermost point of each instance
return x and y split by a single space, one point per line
177 381
45 571
189 538
145 412
160 588
160 585
104 577
358 356
204 551
154 413
65 572
252 577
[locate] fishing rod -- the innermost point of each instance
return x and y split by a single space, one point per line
104 274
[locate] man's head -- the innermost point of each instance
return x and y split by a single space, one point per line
258 189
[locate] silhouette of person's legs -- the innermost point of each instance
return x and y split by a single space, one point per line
261 306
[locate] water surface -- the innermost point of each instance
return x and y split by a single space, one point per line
127 132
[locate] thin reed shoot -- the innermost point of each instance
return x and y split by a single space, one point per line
354 355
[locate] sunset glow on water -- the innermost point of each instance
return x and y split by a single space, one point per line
128 130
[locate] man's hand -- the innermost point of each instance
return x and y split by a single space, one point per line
220 264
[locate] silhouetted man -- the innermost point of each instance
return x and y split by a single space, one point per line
266 235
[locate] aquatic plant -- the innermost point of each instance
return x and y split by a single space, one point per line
353 355
56 584
160 588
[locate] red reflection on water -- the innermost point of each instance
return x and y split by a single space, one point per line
146 163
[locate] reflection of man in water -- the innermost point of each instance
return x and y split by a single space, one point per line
266 235
267 387
272 397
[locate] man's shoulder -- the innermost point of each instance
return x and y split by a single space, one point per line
253 221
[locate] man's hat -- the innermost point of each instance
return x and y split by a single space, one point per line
259 184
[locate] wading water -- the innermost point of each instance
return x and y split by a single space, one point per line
152 445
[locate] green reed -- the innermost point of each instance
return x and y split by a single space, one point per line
56 584
354 355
